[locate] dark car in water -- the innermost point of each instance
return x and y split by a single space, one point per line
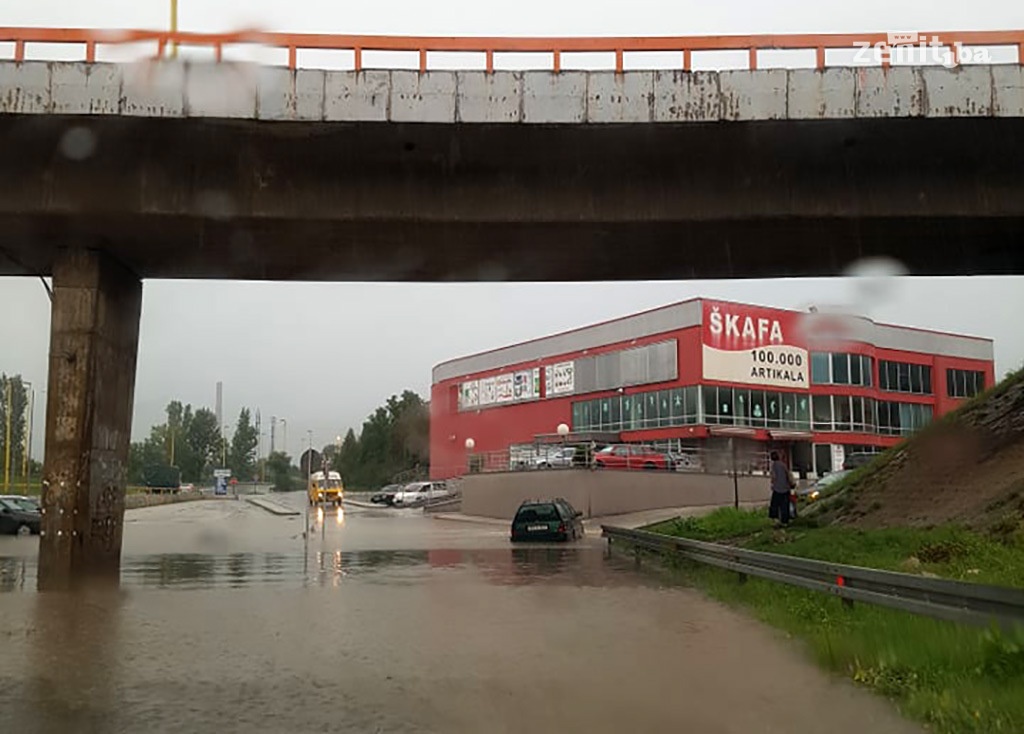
15 519
386 496
547 519
857 460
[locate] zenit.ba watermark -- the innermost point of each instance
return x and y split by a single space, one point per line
915 48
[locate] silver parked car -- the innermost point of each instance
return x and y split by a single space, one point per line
557 458
419 492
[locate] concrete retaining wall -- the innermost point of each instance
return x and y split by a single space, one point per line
607 492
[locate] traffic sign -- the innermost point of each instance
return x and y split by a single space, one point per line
222 472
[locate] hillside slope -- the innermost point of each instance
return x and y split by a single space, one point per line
967 467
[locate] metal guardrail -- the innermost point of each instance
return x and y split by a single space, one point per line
618 47
955 601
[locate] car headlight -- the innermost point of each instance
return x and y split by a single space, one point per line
814 494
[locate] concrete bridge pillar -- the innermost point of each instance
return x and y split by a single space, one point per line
94 338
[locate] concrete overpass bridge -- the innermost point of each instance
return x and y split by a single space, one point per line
115 172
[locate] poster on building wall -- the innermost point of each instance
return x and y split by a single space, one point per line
488 391
469 395
523 385
753 345
504 388
536 382
838 456
560 378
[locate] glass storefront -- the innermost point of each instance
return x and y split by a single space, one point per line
732 406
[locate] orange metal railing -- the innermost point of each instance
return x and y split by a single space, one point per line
556 47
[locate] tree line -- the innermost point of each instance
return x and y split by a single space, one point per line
392 445
14 400
192 441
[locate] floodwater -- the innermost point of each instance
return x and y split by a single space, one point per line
392 622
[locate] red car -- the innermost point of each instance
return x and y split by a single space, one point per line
625 456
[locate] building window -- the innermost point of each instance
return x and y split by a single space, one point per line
822 405
964 383
789 410
664 408
905 377
690 404
838 368
650 409
842 412
756 408
901 419
821 372
803 411
856 370
773 409
725 405
841 369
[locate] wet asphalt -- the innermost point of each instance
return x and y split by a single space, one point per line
228 619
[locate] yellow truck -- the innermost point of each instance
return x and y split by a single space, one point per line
326 487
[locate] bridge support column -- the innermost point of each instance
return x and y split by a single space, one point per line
94 337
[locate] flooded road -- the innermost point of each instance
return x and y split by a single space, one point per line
393 622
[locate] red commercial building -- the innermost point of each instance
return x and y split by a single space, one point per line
701 375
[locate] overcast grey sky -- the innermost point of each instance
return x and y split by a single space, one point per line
324 355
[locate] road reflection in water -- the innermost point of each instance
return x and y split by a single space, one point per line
507 566
73 665
393 622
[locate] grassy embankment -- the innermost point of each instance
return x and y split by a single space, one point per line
957 679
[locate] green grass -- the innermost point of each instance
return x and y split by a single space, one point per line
957 679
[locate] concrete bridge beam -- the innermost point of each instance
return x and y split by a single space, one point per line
94 337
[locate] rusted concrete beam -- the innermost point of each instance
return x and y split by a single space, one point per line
94 337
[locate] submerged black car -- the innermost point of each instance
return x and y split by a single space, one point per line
553 519
386 496
16 520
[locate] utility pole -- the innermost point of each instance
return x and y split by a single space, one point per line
9 402
309 462
26 456
735 478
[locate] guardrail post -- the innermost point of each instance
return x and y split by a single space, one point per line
841 582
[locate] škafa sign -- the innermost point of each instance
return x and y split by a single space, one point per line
755 346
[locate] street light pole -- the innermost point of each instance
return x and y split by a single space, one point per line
174 28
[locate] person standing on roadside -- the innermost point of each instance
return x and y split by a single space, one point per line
782 484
